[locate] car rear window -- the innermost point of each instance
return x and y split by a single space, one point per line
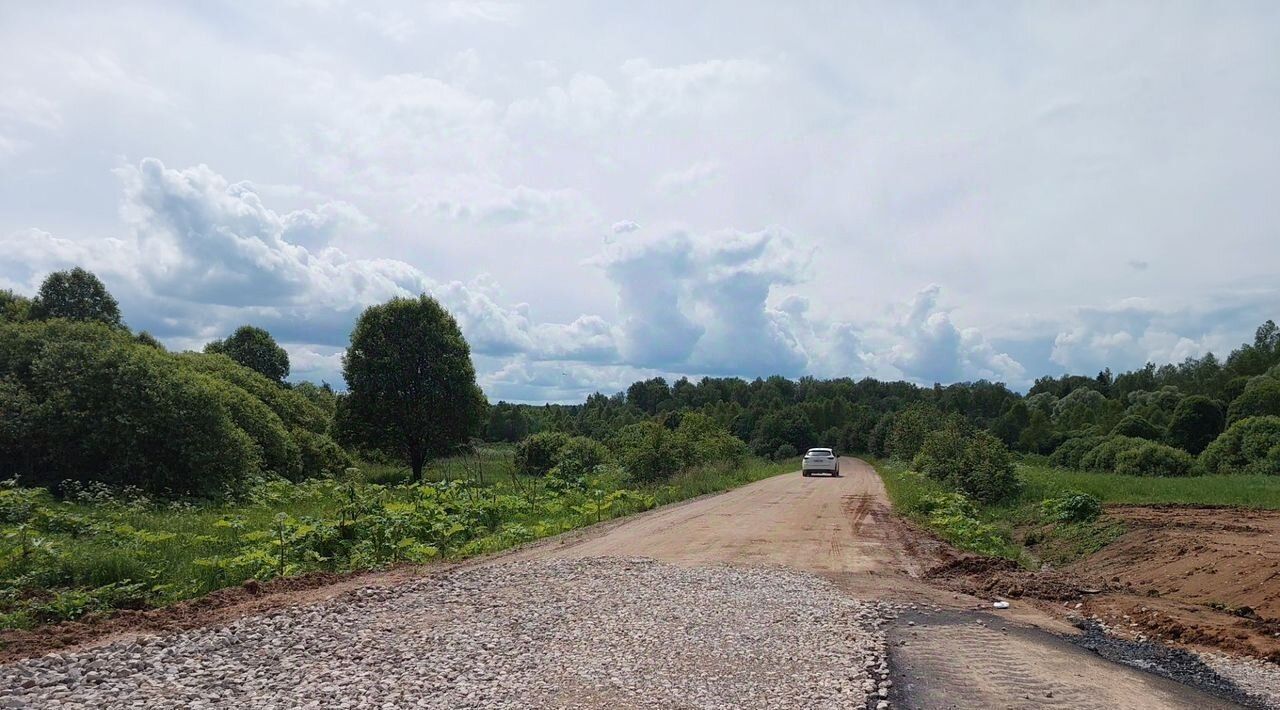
820 452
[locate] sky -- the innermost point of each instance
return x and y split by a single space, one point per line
605 191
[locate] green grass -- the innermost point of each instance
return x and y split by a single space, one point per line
1248 491
63 559
1019 530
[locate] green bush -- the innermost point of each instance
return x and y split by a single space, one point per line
942 455
319 455
94 405
784 452
910 427
578 458
1249 446
1073 507
977 463
1260 398
294 409
277 450
650 452
1070 452
1137 427
1196 422
538 454
1152 459
1103 456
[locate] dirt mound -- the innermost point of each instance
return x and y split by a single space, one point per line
1196 575
991 577
1222 558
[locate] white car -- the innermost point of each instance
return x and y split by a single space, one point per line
820 461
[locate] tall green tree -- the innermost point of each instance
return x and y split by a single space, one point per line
13 307
75 294
254 348
412 386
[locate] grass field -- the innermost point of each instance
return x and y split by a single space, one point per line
1019 529
63 559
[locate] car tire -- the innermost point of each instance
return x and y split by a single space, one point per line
806 474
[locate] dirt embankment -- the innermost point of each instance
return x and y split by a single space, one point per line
1205 577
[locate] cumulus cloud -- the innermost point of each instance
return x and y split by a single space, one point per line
929 347
701 301
1134 331
204 253
624 227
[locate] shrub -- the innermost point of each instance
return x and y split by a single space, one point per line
1250 446
1070 452
910 427
294 409
319 455
1152 459
1103 456
988 474
277 450
1260 398
1137 427
1196 422
578 458
974 462
1073 507
784 452
650 452
538 454
942 454
108 409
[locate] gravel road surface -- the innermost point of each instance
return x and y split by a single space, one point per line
588 633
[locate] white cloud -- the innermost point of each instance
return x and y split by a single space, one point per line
382 162
929 347
624 227
689 180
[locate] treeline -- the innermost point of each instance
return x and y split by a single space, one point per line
1202 415
83 398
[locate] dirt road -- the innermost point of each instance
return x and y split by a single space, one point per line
843 529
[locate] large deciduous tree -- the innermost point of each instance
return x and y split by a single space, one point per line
75 294
255 349
412 386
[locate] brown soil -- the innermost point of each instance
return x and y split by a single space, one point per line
1203 576
1207 577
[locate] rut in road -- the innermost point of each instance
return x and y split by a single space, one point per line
844 529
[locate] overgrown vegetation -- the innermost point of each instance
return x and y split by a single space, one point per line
98 548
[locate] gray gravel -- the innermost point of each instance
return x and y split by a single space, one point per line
561 633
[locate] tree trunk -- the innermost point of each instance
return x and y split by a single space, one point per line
417 460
